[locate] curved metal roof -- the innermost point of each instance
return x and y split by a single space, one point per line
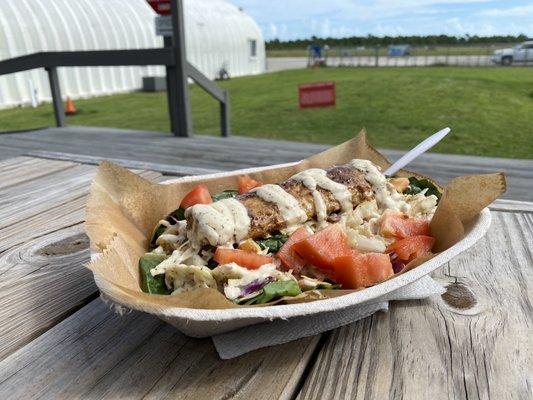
217 34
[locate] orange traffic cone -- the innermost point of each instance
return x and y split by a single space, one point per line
69 108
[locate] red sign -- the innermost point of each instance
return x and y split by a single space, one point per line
320 94
162 7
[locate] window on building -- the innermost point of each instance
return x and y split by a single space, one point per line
253 47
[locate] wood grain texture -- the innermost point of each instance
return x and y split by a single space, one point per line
233 153
32 168
427 349
167 169
474 343
42 246
512 206
41 281
96 354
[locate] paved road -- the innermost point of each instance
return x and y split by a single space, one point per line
284 63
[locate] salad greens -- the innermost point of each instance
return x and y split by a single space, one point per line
172 218
274 290
274 243
417 185
212 264
179 214
152 284
158 232
226 194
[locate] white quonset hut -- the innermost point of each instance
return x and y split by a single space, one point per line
218 34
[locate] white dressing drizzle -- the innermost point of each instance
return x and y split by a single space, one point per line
226 221
386 195
222 222
315 177
288 206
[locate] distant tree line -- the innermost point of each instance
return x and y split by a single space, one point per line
371 41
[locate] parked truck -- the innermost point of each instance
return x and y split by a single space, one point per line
521 53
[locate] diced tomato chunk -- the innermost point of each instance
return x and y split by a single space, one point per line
246 259
246 184
323 247
288 257
358 270
397 224
409 248
198 195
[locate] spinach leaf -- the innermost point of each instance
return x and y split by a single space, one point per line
173 217
152 284
274 243
417 185
212 264
327 285
179 214
176 215
274 290
226 194
158 232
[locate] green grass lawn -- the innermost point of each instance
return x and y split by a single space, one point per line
489 109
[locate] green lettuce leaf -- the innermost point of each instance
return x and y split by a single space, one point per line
152 284
212 264
417 185
274 243
226 194
176 215
274 290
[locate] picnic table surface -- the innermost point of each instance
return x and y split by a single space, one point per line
59 340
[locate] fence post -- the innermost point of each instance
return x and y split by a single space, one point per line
224 115
177 82
170 77
59 112
377 56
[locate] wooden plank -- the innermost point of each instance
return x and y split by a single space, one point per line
38 206
41 282
474 342
97 354
175 170
512 205
209 152
153 147
33 168
42 246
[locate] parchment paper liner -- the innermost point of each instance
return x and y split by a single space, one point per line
123 210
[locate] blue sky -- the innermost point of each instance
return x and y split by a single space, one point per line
291 19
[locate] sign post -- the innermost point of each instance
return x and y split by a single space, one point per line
171 25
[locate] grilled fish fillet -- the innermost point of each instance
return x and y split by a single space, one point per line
266 218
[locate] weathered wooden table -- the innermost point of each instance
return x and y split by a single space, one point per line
58 340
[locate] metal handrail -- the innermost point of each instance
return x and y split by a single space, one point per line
50 59
172 56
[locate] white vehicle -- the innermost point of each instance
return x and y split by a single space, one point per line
521 53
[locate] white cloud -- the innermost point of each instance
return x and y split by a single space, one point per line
388 30
325 30
292 19
290 10
273 28
508 12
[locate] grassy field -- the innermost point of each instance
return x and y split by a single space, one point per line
415 51
489 109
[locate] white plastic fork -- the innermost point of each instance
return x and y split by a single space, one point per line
416 151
